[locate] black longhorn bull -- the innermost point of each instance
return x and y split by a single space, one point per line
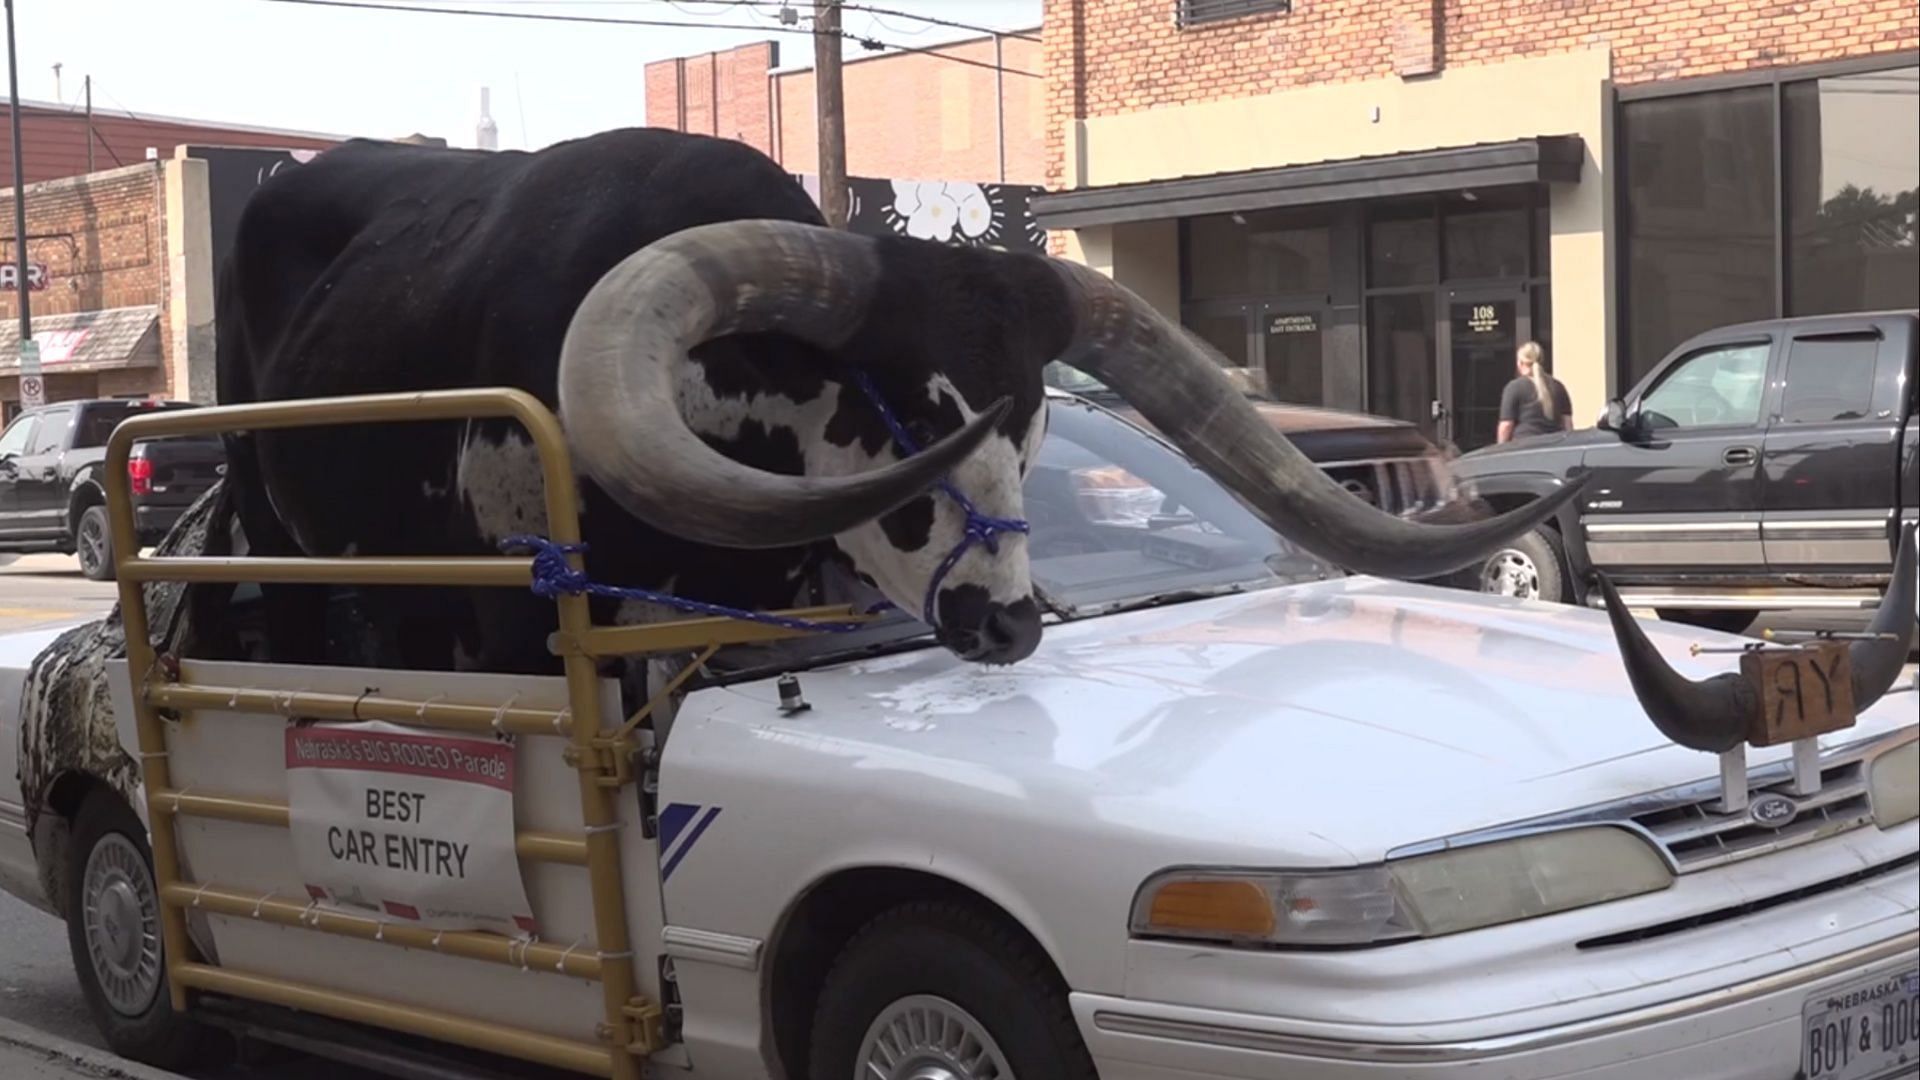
680 303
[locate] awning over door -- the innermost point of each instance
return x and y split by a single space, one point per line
1554 158
87 340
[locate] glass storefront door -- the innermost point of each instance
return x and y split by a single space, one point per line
1402 365
1483 328
1293 352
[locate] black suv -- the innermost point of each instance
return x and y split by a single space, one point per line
1757 467
51 497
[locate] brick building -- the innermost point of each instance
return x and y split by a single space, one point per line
122 260
1370 203
942 114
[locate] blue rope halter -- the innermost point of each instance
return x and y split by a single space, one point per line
554 576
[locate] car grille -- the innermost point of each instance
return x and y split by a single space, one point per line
1694 835
1396 485
1698 837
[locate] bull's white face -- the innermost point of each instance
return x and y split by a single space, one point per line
984 608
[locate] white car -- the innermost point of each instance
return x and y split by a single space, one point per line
1238 816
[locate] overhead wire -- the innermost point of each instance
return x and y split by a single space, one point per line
869 43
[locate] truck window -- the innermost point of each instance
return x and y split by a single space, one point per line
1717 386
53 432
14 442
98 420
1830 378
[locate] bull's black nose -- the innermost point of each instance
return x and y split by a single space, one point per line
985 632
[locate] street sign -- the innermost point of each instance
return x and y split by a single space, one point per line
33 391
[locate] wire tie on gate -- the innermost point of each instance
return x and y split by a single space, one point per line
421 712
561 964
437 935
310 912
178 795
609 827
260 903
500 714
233 703
197 893
148 755
380 930
560 720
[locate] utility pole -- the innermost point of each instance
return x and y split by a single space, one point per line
29 351
89 86
830 108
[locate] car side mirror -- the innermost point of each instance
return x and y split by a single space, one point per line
1616 418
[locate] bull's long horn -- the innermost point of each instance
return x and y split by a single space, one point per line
618 402
1712 714
1164 372
1877 660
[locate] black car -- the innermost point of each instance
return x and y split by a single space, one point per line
1757 467
51 496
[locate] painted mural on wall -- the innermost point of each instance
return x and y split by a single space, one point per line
947 211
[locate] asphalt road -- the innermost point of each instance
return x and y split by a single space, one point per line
37 985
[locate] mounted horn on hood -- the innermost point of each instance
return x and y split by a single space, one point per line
1169 376
1715 714
628 338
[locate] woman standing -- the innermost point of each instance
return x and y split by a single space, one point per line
1534 403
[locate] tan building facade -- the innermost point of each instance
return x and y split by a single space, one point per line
1370 205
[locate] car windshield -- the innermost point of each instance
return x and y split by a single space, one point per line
1119 520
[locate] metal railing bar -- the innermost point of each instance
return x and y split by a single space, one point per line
682 635
308 704
547 847
583 963
502 571
480 1034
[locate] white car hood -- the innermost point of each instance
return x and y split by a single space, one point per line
1320 724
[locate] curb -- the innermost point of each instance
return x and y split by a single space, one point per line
19 1039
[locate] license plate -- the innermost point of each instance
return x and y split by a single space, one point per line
1863 1030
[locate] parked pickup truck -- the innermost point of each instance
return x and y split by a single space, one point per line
1754 468
50 493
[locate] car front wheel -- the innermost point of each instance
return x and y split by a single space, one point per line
940 991
1528 568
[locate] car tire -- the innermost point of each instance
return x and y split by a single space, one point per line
1532 567
1000 1008
1727 622
113 934
93 544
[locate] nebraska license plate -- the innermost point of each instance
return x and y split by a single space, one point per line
1864 1030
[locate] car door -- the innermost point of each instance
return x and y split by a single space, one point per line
1828 469
1679 493
41 495
13 446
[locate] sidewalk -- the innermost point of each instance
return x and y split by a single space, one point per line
30 1054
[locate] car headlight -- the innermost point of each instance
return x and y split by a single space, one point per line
1419 896
1893 786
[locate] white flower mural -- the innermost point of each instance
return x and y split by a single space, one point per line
945 211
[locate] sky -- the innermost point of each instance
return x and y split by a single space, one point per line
387 74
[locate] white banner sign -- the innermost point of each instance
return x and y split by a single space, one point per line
410 825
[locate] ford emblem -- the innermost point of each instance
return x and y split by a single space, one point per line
1773 811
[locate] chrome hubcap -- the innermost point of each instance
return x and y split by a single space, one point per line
122 924
924 1037
1511 573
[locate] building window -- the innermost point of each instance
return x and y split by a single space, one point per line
1196 12
1260 253
1792 196
1699 221
1853 174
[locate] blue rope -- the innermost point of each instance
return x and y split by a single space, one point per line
553 576
980 528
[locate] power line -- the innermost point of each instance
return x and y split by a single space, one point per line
868 43
865 9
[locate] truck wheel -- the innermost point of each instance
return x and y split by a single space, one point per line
113 932
1727 622
1529 568
937 989
93 543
